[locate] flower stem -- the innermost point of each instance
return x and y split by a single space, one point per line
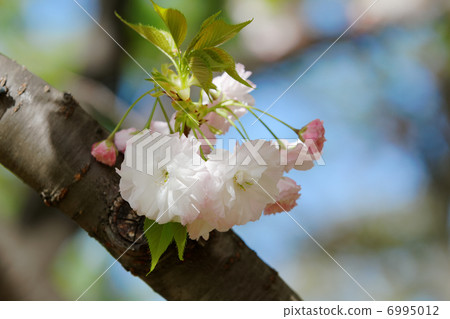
202 154
245 135
147 125
111 136
243 128
275 118
165 115
265 125
268 114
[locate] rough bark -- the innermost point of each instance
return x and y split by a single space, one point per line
45 139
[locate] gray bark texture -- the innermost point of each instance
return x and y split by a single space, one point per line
45 139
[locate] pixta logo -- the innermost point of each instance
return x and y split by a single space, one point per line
147 152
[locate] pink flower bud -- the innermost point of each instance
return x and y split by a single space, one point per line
121 138
313 134
286 200
104 152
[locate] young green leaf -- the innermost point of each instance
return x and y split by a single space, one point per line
210 20
175 21
232 72
204 25
159 238
163 40
180 236
219 60
202 70
215 33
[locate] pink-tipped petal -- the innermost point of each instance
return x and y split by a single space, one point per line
287 199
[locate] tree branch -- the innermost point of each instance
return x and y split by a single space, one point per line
45 139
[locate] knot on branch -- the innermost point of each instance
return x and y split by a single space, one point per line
67 105
126 223
6 100
52 198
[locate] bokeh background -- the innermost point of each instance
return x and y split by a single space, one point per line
380 205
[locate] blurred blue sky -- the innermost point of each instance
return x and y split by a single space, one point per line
365 173
55 21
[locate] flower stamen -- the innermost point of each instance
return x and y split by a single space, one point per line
240 180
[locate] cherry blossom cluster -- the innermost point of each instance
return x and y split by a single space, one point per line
219 189
194 186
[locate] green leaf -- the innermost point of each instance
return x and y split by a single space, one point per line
202 70
204 25
163 40
175 21
219 60
160 236
180 236
215 33
210 20
232 72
